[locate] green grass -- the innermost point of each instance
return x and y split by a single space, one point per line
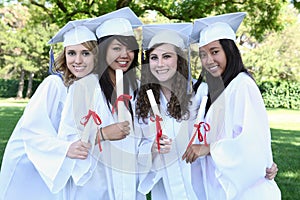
285 128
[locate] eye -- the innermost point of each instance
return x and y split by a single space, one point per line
86 53
153 57
116 48
166 56
202 55
215 52
71 53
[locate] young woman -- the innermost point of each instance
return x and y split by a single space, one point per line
165 71
238 146
34 156
115 174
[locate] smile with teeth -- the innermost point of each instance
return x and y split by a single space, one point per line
79 68
212 68
163 71
122 62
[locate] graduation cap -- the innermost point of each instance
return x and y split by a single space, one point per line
208 29
74 32
119 22
177 34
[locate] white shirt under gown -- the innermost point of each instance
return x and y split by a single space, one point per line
109 174
167 176
240 146
33 154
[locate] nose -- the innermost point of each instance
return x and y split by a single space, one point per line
124 53
210 59
78 59
160 62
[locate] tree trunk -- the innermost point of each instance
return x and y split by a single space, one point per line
29 89
21 85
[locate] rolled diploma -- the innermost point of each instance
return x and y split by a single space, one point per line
120 91
201 112
86 131
153 103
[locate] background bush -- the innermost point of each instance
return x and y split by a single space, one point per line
276 94
9 87
281 94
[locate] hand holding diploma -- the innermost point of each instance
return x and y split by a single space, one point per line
161 140
193 151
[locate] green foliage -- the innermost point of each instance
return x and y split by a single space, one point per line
281 94
9 87
278 56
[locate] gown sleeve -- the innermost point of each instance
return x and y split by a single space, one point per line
244 152
39 129
81 99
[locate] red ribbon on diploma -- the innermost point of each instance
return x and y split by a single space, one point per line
96 119
90 114
158 130
198 130
125 98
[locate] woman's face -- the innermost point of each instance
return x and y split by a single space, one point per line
163 62
80 61
213 58
118 56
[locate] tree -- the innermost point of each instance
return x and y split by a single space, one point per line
262 14
24 50
278 56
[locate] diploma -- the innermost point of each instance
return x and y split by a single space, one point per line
120 90
153 103
157 116
90 122
199 123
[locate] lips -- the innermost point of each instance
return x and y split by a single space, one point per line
163 71
79 68
213 68
122 63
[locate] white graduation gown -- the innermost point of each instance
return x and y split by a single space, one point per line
167 176
33 154
111 173
240 145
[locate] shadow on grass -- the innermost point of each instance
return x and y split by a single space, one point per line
286 153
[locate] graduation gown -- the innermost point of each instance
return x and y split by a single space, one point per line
34 154
167 176
111 173
240 145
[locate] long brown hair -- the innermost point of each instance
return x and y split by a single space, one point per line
178 106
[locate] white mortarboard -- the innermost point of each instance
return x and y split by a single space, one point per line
119 22
213 28
74 32
177 34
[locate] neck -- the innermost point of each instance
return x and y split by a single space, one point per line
167 92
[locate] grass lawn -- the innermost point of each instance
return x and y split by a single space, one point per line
285 128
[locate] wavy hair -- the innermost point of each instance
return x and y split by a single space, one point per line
178 106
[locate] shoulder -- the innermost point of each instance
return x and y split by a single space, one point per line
243 80
201 91
52 82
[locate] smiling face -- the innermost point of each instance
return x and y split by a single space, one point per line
80 61
119 56
163 62
213 58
